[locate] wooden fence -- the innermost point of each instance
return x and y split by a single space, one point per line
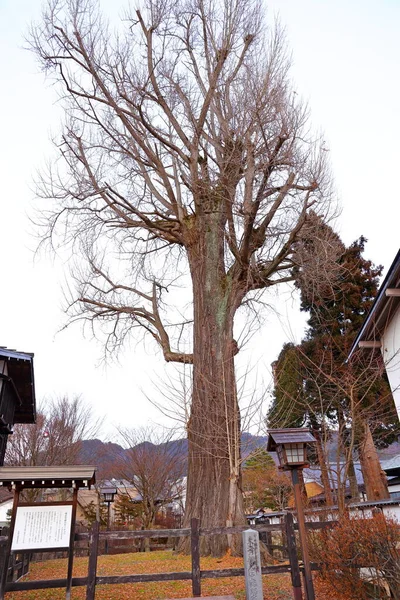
18 565
196 575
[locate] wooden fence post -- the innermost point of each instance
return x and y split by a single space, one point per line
92 568
3 549
26 561
7 553
195 547
292 553
71 544
268 539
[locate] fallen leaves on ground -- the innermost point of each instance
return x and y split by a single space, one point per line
276 587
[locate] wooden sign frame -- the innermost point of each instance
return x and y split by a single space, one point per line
40 522
70 549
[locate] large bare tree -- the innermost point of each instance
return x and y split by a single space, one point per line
186 160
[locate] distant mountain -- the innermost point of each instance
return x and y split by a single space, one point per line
250 443
103 455
106 455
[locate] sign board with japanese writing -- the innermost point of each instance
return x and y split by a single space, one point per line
42 527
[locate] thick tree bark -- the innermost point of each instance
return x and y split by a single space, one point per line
214 484
374 478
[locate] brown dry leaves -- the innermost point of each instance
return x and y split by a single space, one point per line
276 587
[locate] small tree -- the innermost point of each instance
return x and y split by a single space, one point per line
263 485
128 511
154 464
94 511
56 437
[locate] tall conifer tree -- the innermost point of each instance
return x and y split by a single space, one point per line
315 386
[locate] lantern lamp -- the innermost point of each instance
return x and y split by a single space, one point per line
290 446
108 494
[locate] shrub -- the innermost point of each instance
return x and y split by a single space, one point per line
360 556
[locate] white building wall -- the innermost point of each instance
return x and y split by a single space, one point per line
391 355
4 507
392 511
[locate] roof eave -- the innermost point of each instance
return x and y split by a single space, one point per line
370 327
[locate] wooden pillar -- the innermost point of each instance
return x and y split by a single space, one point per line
71 544
310 595
195 549
3 445
3 575
92 569
292 553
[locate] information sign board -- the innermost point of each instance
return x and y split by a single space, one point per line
42 527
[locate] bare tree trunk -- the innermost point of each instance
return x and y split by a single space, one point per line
347 446
354 492
324 470
214 493
374 478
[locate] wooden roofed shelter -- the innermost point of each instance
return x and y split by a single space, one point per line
44 526
17 393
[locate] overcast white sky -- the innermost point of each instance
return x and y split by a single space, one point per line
346 56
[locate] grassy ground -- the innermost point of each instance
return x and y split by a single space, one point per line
276 587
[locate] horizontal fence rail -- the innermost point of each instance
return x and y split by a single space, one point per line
195 575
286 528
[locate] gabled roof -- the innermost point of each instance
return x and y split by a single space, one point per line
382 310
392 465
65 476
20 371
288 436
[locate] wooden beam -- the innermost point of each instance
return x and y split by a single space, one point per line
393 292
293 558
7 553
195 552
92 569
43 584
369 344
71 544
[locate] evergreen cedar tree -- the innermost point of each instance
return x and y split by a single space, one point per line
316 387
186 159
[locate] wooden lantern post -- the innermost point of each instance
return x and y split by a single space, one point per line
291 448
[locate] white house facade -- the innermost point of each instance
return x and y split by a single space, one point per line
391 354
381 328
